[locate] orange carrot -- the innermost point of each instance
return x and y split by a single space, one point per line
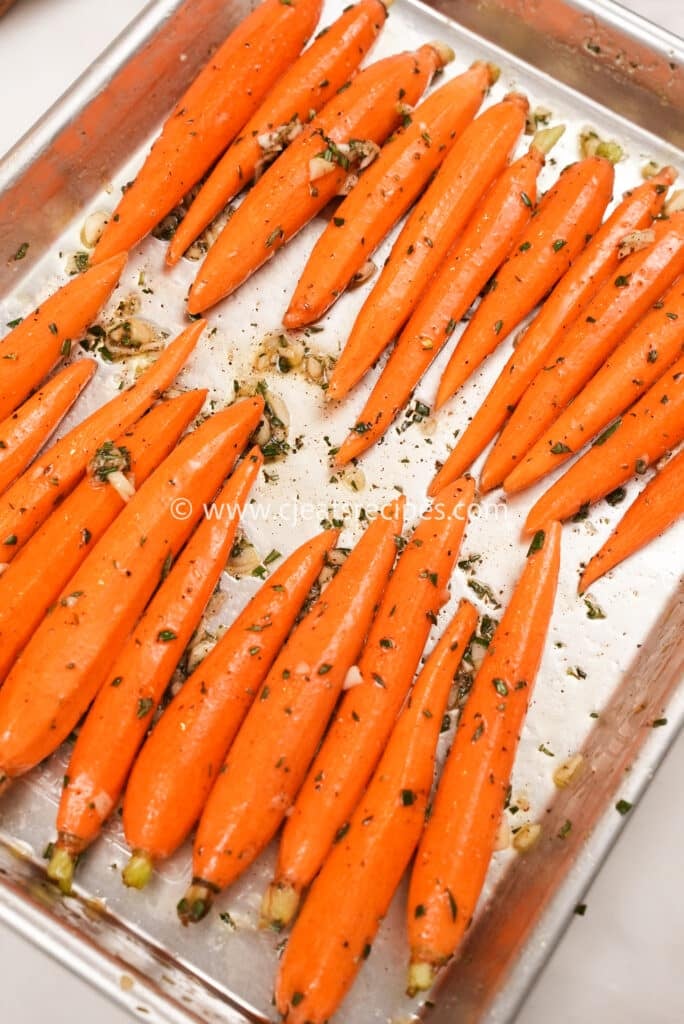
655 510
178 764
456 847
209 115
476 159
653 426
313 170
360 876
617 307
35 578
314 79
274 747
25 432
121 713
29 352
386 192
66 661
570 213
31 498
573 292
364 720
647 351
478 252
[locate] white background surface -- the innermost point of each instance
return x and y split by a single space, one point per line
619 964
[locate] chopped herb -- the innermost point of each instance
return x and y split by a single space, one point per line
543 749
297 997
166 567
227 919
484 591
419 911
623 807
446 723
560 449
672 316
10 540
526 199
117 681
652 355
497 326
341 833
558 244
110 458
500 687
65 347
166 635
275 234
324 669
477 733
537 542
15 323
272 556
616 496
145 705
452 905
640 466
525 246
565 829
361 428
608 432
593 610
426 574
658 722
338 221
265 693
366 952
581 909
386 642
21 251
622 280
408 797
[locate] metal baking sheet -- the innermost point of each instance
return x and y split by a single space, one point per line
74 162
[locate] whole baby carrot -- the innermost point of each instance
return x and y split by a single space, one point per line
476 159
654 510
66 661
574 291
653 426
64 540
313 169
277 740
27 429
312 80
484 244
386 191
367 862
568 215
31 498
364 720
616 308
178 764
122 711
457 844
36 344
209 115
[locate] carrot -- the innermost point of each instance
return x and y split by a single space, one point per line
178 764
313 169
569 213
209 115
653 426
477 253
277 740
311 82
476 159
351 895
456 847
573 292
386 192
35 578
31 498
655 510
66 661
29 352
637 362
121 713
25 432
364 720
616 308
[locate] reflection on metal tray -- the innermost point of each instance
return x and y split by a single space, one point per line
73 162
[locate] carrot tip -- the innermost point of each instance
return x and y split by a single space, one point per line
196 903
420 978
61 869
444 52
138 871
279 906
546 138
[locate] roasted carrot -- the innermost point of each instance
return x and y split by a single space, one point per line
616 308
35 578
654 510
570 296
277 740
456 847
386 191
66 661
485 243
178 764
122 711
364 720
311 82
209 115
569 213
351 895
29 352
313 169
653 426
647 351
31 498
25 432
476 159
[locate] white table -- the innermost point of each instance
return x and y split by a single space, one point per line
619 964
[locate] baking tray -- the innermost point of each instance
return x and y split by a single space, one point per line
73 162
